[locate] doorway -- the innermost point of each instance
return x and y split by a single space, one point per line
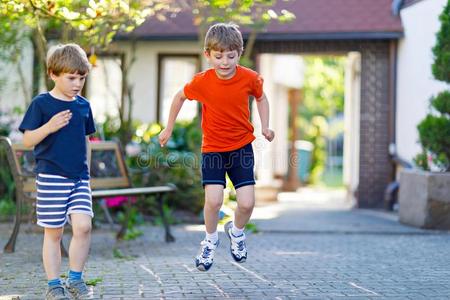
319 141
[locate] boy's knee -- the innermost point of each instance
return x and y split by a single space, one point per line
53 234
246 206
82 228
213 203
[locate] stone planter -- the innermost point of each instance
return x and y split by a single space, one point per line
424 199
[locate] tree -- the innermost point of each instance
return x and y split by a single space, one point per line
434 130
323 100
441 51
92 24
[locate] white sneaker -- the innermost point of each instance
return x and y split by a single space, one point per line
238 249
205 257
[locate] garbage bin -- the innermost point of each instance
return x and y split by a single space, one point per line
304 152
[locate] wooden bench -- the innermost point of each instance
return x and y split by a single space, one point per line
109 178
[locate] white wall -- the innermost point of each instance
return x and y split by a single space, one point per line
415 83
144 73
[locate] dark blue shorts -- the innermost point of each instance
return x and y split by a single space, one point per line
238 164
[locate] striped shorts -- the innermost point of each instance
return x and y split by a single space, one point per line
58 197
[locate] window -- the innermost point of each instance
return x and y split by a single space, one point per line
104 87
174 71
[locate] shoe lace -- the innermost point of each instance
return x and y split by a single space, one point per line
206 251
57 291
238 241
240 245
79 287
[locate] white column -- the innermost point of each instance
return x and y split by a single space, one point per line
352 120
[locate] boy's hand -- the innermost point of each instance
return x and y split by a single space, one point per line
59 120
269 134
164 136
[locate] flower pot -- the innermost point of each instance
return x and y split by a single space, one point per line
424 199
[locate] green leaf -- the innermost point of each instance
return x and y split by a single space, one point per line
251 227
94 281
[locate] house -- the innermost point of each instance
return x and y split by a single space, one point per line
388 80
364 31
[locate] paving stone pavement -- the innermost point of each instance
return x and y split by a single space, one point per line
311 246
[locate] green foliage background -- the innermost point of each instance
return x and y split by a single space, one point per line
323 99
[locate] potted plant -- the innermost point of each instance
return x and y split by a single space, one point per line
424 196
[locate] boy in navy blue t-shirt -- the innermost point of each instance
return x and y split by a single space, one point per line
56 125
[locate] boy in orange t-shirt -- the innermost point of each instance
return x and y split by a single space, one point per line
224 91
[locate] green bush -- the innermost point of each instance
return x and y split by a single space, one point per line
442 103
9 123
7 188
441 50
434 130
421 160
177 163
434 135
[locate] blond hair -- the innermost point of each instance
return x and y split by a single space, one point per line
68 58
224 37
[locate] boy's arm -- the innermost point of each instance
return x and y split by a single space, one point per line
175 108
33 137
263 110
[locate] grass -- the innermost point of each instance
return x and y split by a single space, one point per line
117 253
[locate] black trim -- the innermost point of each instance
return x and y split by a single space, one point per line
187 37
396 6
405 5
394 35
330 36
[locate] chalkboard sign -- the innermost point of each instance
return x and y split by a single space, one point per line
107 167
104 164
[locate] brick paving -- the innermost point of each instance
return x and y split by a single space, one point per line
308 248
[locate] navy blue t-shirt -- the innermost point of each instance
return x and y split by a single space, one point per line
64 151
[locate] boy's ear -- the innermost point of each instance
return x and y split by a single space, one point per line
52 75
207 54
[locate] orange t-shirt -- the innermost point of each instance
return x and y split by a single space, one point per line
225 107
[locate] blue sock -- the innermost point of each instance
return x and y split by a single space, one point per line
54 282
74 275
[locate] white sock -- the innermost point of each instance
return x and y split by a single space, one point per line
212 237
236 231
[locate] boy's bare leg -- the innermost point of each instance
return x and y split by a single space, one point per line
51 252
246 201
81 241
213 203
